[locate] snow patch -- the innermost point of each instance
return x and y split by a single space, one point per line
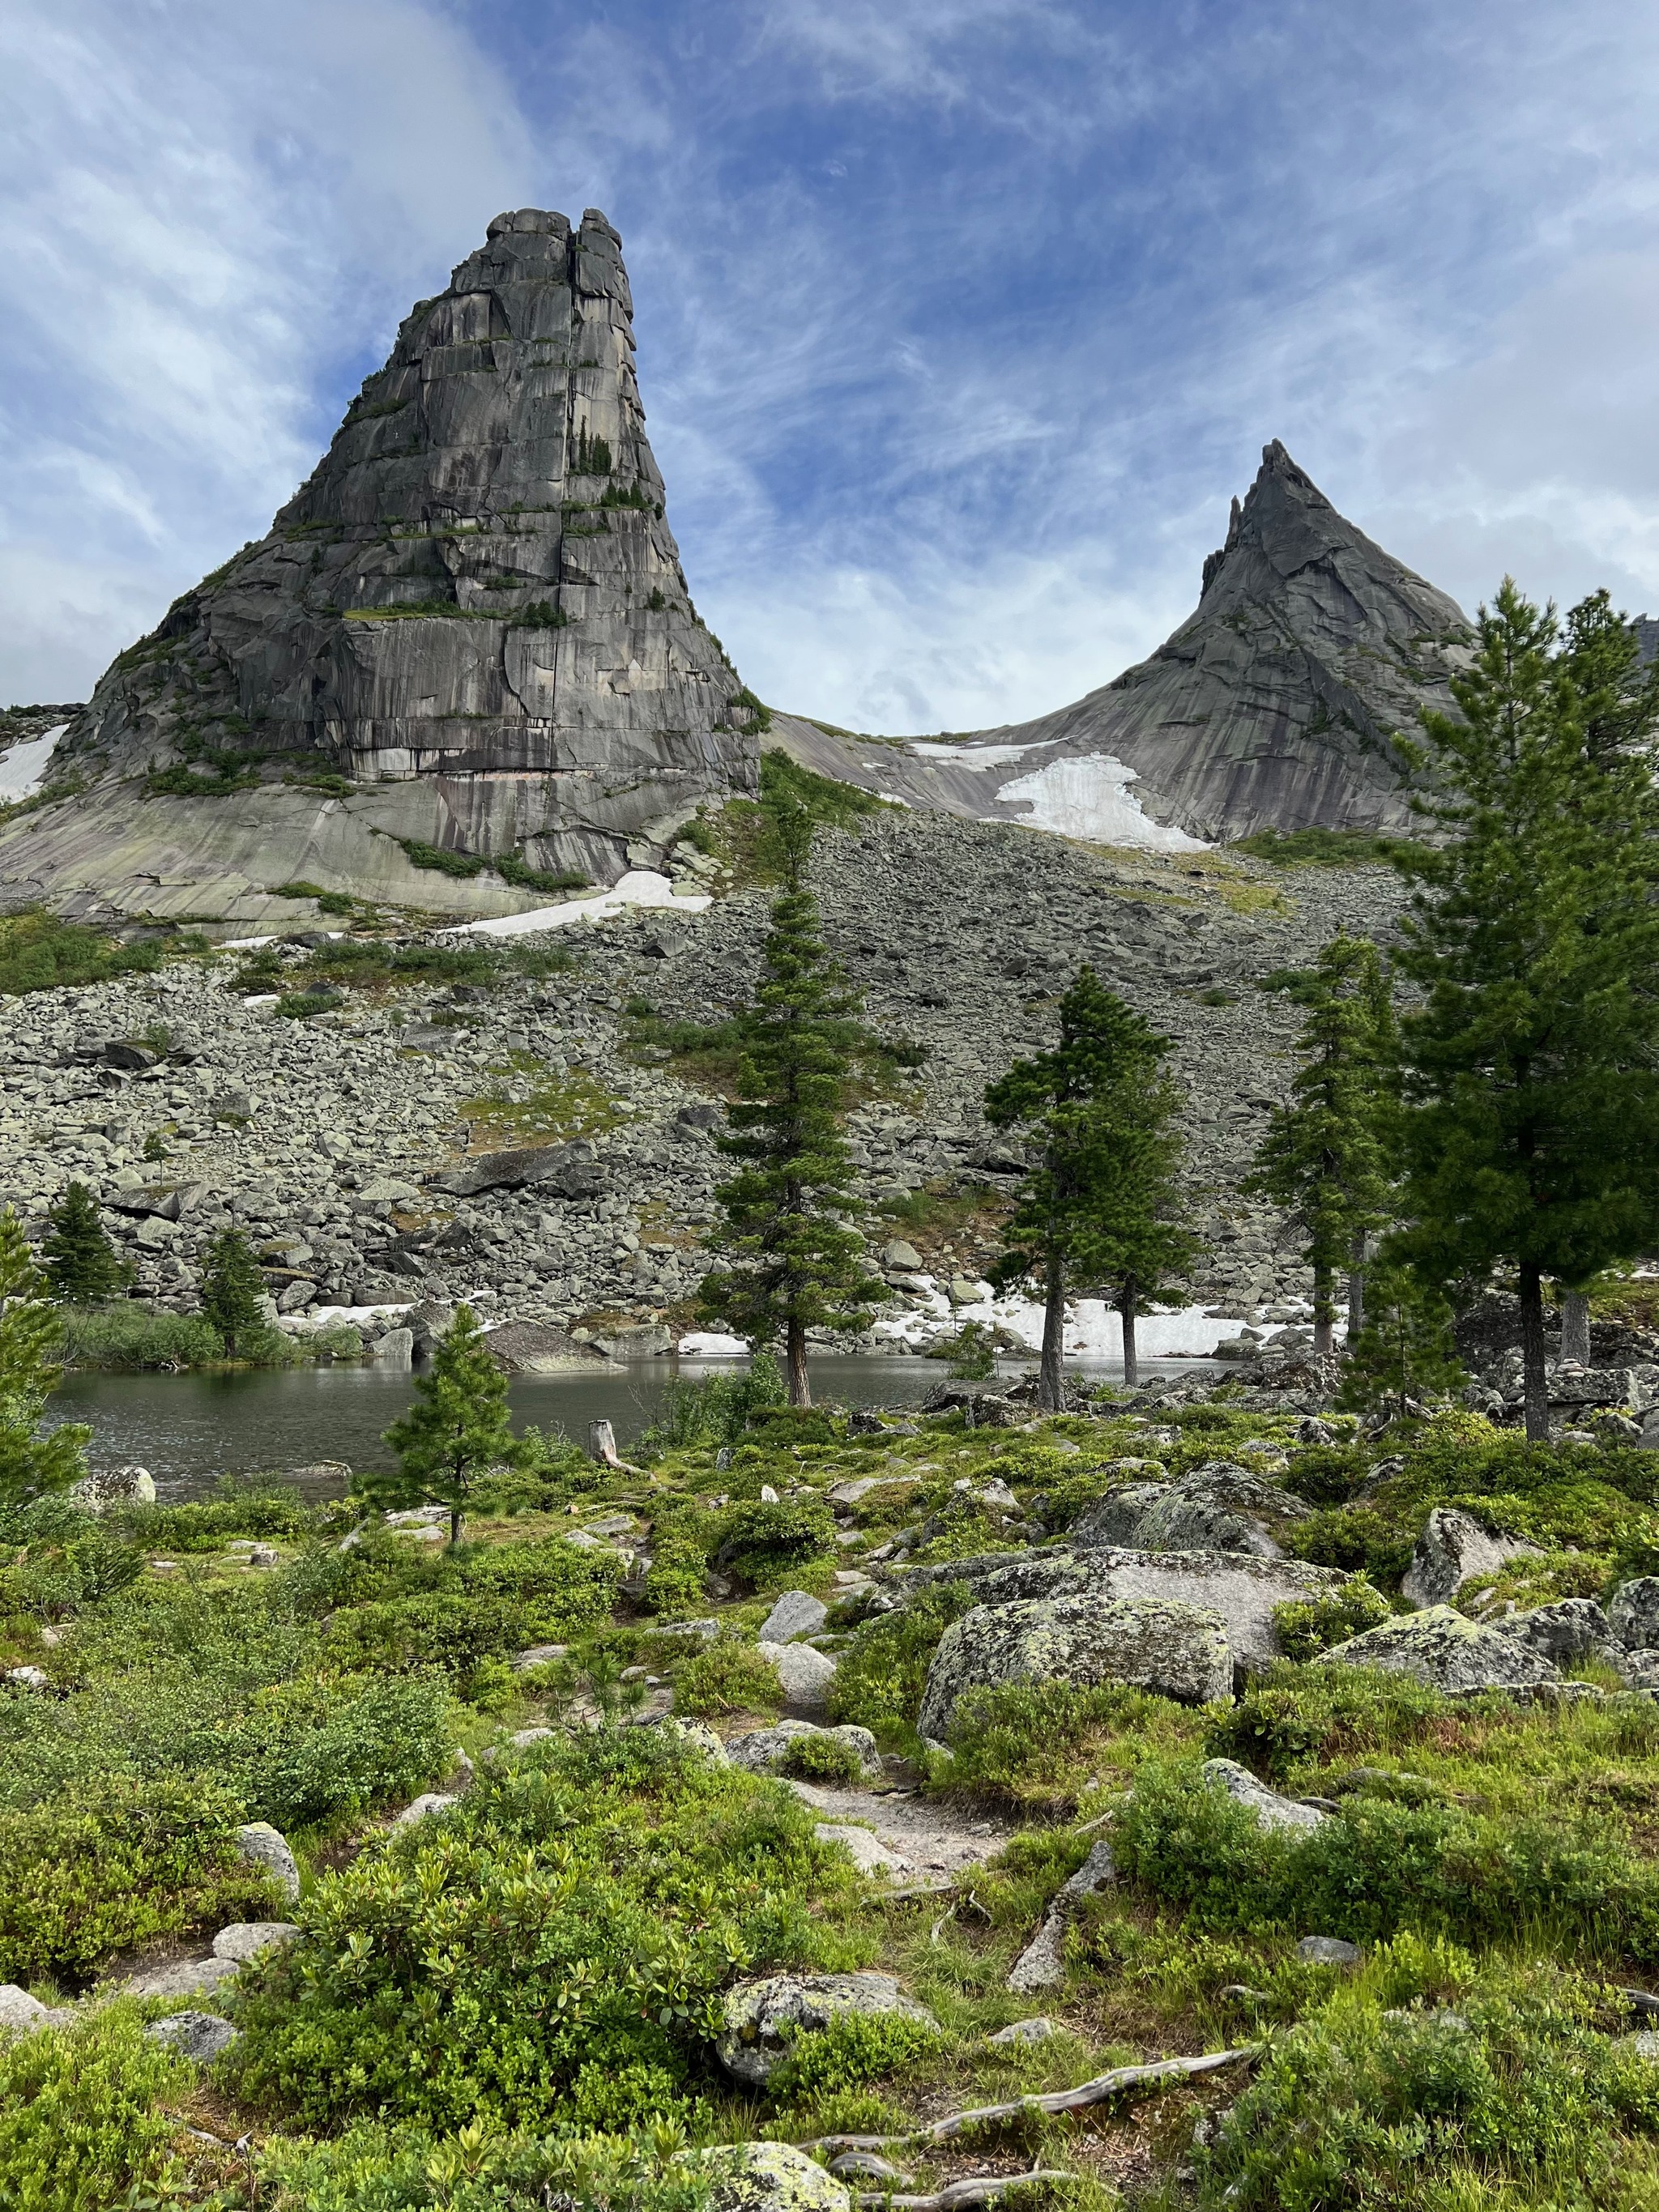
639 887
709 1343
23 769
1087 795
976 757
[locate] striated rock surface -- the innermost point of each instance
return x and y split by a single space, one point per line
469 629
1275 705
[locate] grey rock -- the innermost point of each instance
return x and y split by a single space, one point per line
267 1847
1447 1651
1640 1669
865 1849
797 1612
549 655
395 1349
192 1977
1176 1650
866 2165
763 1751
771 2177
1327 1951
115 1485
422 1808
1217 1508
1633 1613
1573 1628
201 2036
562 1171
30 1677
807 1674
538 1654
21 2013
1645 2044
1036 2030
1041 1964
1450 1551
245 1939
762 2016
1265 1806
897 1255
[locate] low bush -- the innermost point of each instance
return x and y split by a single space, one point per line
716 1408
138 1336
823 1758
1039 1745
114 1861
38 953
764 1544
1317 1623
239 1506
729 1677
856 2049
556 1948
880 1679
83 2120
371 2168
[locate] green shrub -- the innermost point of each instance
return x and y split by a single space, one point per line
823 1758
82 2124
1038 1746
247 1505
716 1408
138 1336
880 1679
1327 1474
38 953
853 2050
729 1677
675 1580
764 1544
1359 1539
114 1861
376 2169
1316 1624
441 861
453 1630
1292 1717
562 1941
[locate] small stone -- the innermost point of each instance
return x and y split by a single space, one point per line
245 1939
267 1847
30 1677
422 1808
1327 1951
201 2036
1267 1806
1024 2031
797 1612
807 1674
538 1654
867 1851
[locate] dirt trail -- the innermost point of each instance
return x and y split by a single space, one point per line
929 1838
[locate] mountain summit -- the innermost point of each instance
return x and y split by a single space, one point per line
1273 706
469 628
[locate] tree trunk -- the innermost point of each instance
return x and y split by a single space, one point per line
1324 1311
1126 1307
602 1444
1356 1260
1532 1356
455 1517
800 1390
1574 1328
1051 1383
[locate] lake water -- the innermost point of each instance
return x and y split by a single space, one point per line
189 1428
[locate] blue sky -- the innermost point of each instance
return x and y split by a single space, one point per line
959 320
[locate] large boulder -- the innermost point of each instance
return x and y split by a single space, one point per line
562 1171
1243 1589
797 1612
1218 1507
1571 1629
805 1673
115 1485
764 1751
763 2017
1633 1613
770 2177
1446 1650
1178 1650
1451 1550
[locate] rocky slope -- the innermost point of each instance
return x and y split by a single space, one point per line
319 1135
470 629
1273 706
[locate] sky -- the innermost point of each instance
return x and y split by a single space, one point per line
959 321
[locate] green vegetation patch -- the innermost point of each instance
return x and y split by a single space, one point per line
1320 848
38 953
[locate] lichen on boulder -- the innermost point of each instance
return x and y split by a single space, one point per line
1446 1650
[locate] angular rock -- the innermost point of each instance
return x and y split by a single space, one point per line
1633 1613
1640 1669
1447 1651
867 1851
21 2013
1038 2030
796 1614
1327 1951
1451 1550
1177 1650
763 1751
267 1847
422 1808
1573 1628
771 2177
245 1939
476 592
1041 1966
806 1674
1217 1508
763 2016
562 1171
1265 1806
201 2036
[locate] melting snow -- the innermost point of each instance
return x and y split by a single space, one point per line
639 887
976 756
1088 796
22 770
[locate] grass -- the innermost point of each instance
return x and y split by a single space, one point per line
38 953
1320 849
528 1100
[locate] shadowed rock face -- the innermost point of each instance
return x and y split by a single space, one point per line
1275 705
476 591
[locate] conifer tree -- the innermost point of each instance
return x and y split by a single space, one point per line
1530 1130
1405 1351
1099 1209
82 1266
232 1288
454 1434
31 1463
791 1263
1322 1158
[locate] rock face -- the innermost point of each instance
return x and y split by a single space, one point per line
1274 705
1450 1551
1447 1651
1216 1507
471 622
1178 1650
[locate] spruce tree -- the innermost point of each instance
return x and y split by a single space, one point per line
791 1263
1530 1128
454 1434
232 1289
82 1266
1322 1158
1405 1351
1099 1209
31 1463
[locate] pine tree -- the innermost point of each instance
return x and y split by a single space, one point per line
791 1264
1530 1128
31 1463
232 1289
1322 1158
1100 1207
1405 1351
81 1264
454 1434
